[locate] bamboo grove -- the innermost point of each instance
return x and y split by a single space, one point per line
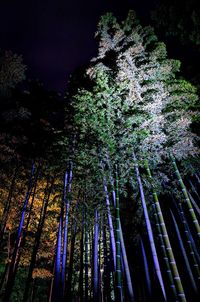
111 212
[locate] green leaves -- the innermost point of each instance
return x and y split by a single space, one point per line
136 104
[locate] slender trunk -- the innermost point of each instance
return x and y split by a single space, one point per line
32 291
110 223
123 249
86 260
61 258
149 230
194 204
197 178
15 255
165 257
191 245
56 291
187 199
146 270
172 261
106 271
71 262
37 239
67 186
67 189
119 295
100 267
95 259
111 180
194 189
81 264
91 237
126 267
184 254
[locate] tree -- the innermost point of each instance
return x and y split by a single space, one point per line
12 71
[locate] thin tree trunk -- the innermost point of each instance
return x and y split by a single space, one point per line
119 295
165 257
146 270
149 230
194 189
197 178
126 267
67 190
172 261
86 260
106 272
110 223
56 291
194 204
190 244
95 259
81 263
71 262
184 254
37 239
187 199
15 256
125 260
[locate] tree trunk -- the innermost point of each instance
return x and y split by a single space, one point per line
106 270
37 238
95 259
71 262
15 257
56 290
172 261
187 199
146 270
184 254
119 295
149 230
86 260
126 267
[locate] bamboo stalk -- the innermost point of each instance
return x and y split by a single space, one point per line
119 296
170 253
186 196
149 230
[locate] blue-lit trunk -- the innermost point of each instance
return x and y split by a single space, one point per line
71 260
64 255
126 267
149 230
66 192
57 289
111 228
123 249
95 258
106 270
37 238
86 259
146 270
187 264
15 256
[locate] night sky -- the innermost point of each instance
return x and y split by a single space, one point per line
57 37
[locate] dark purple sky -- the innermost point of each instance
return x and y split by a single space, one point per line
56 36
